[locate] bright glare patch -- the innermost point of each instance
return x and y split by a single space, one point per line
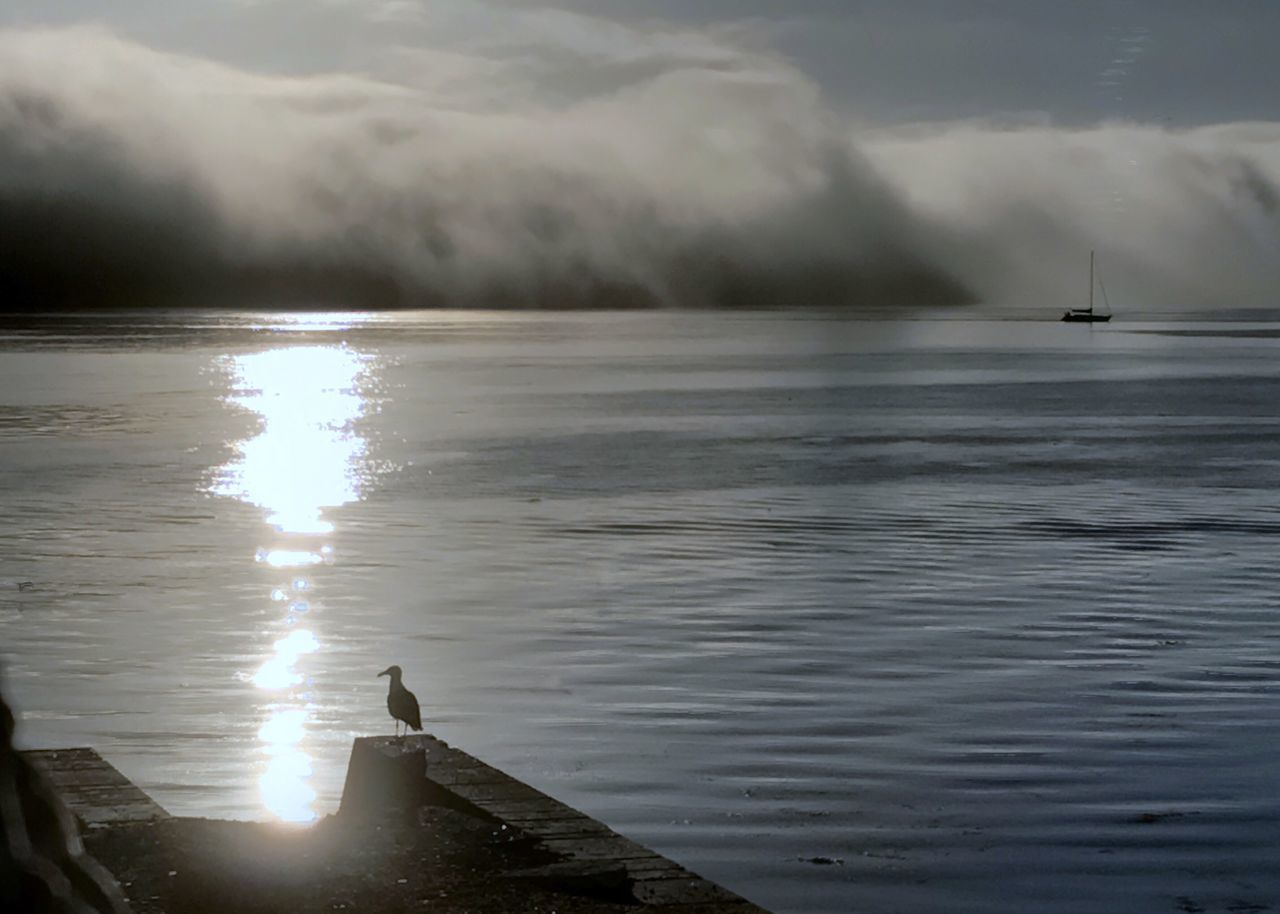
299 642
291 558
316 321
277 671
306 457
275 674
283 786
285 728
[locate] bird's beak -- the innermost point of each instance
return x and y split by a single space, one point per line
386 672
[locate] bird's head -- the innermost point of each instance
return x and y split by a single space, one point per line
392 671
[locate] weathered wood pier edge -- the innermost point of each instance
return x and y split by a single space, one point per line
395 786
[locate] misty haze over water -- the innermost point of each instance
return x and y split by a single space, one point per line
512 156
982 612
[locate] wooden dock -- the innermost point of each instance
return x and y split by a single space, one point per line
93 789
422 826
588 850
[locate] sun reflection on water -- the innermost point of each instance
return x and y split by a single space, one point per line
305 458
277 671
284 788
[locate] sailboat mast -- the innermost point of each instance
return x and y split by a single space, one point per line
1091 282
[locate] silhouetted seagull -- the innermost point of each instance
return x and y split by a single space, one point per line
401 703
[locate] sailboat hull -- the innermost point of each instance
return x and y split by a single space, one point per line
1074 317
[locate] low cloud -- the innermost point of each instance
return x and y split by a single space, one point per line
1181 219
701 175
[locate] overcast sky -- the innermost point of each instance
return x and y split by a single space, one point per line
1190 61
618 152
1185 62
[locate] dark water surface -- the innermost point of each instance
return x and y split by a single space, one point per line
987 613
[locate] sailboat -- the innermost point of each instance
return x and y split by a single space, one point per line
1087 315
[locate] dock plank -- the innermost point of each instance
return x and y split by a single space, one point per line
93 789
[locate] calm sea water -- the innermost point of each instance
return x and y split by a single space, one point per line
985 613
